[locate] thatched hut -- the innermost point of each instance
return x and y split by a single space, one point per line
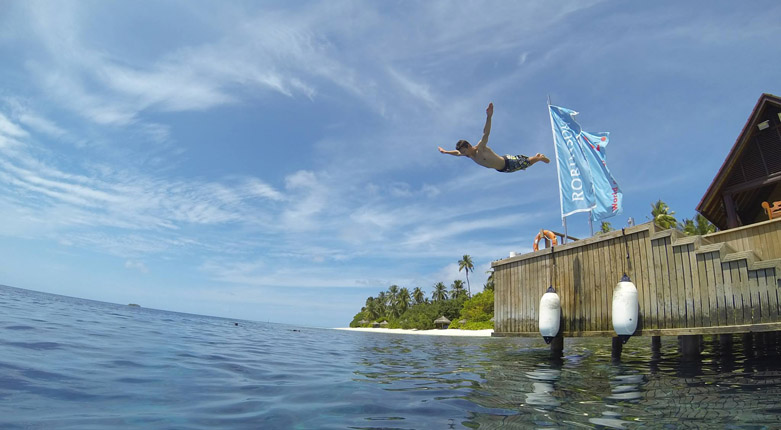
442 322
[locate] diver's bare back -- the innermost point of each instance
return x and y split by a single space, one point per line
486 157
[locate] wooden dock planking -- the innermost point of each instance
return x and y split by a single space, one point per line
676 278
522 285
694 282
540 284
670 300
683 274
607 288
772 288
721 295
656 246
565 272
755 297
676 299
740 290
643 244
684 283
708 287
765 297
592 287
644 295
732 297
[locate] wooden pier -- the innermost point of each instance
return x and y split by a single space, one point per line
722 283
718 284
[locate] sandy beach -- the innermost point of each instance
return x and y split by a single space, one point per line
435 332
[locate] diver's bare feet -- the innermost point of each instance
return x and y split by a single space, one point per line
540 157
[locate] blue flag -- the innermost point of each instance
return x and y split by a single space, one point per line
576 189
609 197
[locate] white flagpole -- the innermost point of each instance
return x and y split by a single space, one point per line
590 223
556 150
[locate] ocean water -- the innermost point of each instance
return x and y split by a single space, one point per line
68 363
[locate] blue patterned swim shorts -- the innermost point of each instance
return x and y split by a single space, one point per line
514 163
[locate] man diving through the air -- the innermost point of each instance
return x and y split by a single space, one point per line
486 157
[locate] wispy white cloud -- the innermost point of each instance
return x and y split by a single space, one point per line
10 129
136 265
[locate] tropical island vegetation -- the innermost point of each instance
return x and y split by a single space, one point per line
403 309
664 218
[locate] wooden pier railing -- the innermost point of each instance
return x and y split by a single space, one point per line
725 282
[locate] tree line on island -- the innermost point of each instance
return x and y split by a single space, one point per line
401 308
665 219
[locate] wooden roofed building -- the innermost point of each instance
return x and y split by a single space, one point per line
751 173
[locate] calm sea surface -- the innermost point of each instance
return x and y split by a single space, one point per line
68 363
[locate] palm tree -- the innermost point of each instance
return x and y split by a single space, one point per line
393 293
698 226
402 301
457 289
466 263
489 283
382 304
606 227
703 225
662 215
418 296
440 292
371 309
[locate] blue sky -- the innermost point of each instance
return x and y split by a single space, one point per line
277 161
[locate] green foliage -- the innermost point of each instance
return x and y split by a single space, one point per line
372 309
407 309
451 309
697 226
662 215
479 308
358 317
466 263
605 227
418 296
477 312
440 292
422 315
489 283
419 316
457 290
472 325
664 218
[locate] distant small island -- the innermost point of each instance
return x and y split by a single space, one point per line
134 305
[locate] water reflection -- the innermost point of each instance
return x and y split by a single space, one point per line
543 388
626 391
626 387
514 383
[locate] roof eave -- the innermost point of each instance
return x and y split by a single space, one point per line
708 199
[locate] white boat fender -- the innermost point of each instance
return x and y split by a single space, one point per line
550 314
625 309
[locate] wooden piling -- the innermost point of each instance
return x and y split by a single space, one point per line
618 347
656 344
690 347
557 346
